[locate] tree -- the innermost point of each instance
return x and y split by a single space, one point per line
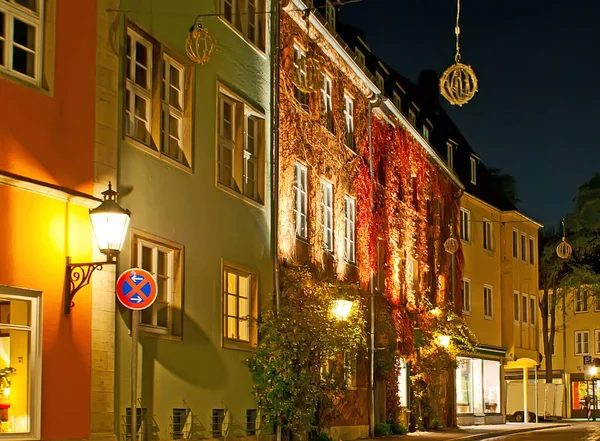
299 367
504 183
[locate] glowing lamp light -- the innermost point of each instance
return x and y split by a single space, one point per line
341 309
6 392
593 371
443 340
110 222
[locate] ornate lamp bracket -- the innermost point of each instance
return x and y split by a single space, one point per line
80 275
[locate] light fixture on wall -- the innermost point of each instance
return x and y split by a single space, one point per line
110 222
341 308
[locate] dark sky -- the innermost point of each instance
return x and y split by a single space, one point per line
538 63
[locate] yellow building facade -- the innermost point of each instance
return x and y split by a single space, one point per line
499 286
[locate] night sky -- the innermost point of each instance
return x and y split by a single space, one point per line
538 62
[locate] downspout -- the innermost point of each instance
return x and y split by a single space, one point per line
566 395
275 61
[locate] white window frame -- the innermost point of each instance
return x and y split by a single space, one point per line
517 303
245 321
330 14
466 287
533 311
580 301
35 357
473 170
250 28
532 249
250 156
349 121
488 235
135 89
465 225
169 110
226 146
12 11
327 214
489 301
170 252
450 155
360 57
301 202
516 244
597 302
397 101
350 229
523 246
582 342
379 81
597 341
412 117
525 309
326 93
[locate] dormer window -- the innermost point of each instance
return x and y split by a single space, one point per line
427 127
450 154
330 15
379 81
473 170
397 100
360 57
412 117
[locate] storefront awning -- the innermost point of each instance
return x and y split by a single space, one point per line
521 363
490 350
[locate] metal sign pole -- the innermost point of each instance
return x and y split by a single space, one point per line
134 370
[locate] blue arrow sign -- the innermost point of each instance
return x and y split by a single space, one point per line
136 288
136 299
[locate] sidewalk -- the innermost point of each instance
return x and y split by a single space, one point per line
474 433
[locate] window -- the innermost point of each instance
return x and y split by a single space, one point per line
326 92
466 295
164 261
532 251
532 310
248 17
240 308
20 364
146 59
465 227
397 101
580 301
327 209
241 147
450 155
21 33
597 302
300 203
515 244
488 302
349 120
350 229
330 14
516 301
379 81
427 127
524 308
412 117
473 170
251 422
217 423
360 57
300 69
487 235
597 340
403 384
477 385
582 342
523 247
412 274
182 422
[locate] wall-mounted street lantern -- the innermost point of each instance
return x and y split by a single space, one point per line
110 222
443 341
341 308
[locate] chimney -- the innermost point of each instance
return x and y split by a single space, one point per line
429 89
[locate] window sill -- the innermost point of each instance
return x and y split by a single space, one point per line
239 195
469 313
259 51
158 155
148 331
237 345
466 242
488 251
488 317
352 150
581 312
25 82
303 240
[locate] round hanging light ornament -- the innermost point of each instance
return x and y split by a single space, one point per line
200 44
308 76
451 245
458 83
564 250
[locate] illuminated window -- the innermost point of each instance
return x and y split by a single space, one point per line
301 96
349 121
582 342
403 384
350 229
21 34
164 261
326 93
327 209
145 58
20 358
488 302
427 127
248 17
300 202
239 305
477 385
597 332
466 295
580 301
465 227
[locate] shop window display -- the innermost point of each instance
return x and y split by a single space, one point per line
477 385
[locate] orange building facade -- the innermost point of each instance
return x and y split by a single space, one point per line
47 173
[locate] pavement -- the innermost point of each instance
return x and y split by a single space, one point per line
474 433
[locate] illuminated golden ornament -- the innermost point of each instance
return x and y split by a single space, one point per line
458 83
200 44
451 245
308 76
564 250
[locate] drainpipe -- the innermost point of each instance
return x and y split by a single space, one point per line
372 287
275 61
566 395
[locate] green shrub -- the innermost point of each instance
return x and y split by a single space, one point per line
399 429
323 437
436 425
382 429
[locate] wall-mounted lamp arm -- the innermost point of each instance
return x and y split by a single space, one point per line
80 275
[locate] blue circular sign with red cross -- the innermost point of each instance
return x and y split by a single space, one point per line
136 289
